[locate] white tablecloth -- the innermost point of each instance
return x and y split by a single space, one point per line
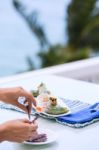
71 139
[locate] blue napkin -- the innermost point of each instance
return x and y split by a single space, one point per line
81 117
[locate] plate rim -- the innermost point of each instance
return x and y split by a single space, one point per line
55 116
46 142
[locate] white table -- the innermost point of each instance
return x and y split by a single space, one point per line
69 139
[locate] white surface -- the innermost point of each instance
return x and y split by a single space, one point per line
82 69
51 137
69 139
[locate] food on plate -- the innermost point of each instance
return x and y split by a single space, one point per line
56 110
35 93
50 105
42 102
40 89
39 138
47 103
39 109
53 101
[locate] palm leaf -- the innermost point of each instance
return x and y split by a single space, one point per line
90 34
32 21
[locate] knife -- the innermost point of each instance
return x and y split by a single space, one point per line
36 117
29 115
21 100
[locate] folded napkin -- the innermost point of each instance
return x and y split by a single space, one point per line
82 117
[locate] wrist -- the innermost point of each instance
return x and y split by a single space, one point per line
3 94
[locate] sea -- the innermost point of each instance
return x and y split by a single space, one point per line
17 42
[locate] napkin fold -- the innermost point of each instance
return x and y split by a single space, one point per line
82 117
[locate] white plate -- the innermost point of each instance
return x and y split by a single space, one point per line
54 116
51 137
61 103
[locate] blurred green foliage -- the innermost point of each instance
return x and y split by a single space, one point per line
83 24
59 54
82 28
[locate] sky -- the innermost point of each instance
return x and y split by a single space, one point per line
16 40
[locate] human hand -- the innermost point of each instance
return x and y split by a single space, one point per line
17 130
11 95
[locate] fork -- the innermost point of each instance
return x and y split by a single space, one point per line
35 118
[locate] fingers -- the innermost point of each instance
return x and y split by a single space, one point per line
27 137
30 126
25 121
33 127
20 130
29 98
32 132
29 132
21 107
28 104
34 101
